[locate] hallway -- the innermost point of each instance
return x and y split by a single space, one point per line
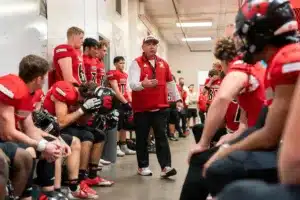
130 186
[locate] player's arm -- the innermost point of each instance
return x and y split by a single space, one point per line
207 85
63 117
65 65
115 87
289 160
243 124
8 127
269 136
171 85
219 105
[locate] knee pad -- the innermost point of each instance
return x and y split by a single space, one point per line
45 173
99 136
28 189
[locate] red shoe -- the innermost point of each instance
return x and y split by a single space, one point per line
98 181
85 189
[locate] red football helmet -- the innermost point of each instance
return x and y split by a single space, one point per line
263 22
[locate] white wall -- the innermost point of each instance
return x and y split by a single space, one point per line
180 58
22 32
125 32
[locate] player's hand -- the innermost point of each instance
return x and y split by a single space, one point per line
66 150
149 83
127 107
52 151
225 138
196 148
220 154
91 104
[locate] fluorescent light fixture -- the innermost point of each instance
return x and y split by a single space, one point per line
194 24
197 39
18 8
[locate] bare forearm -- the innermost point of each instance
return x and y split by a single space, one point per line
214 120
69 118
17 136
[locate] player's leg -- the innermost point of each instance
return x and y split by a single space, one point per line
3 174
21 164
195 186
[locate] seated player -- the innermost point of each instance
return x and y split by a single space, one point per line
235 122
3 174
262 38
63 101
93 72
47 122
118 82
249 90
17 126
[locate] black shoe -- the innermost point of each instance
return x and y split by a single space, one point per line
173 138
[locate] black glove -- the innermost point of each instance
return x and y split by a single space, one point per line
126 107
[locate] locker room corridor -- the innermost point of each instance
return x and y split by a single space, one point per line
130 186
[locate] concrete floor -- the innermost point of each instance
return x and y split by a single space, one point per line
130 186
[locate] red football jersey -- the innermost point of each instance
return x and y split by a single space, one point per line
62 91
37 97
100 72
90 65
121 78
183 94
252 96
14 92
64 51
232 117
213 89
283 69
202 102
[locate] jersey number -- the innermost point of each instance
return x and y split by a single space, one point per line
81 73
211 94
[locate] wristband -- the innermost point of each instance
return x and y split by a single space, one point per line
80 110
42 145
225 146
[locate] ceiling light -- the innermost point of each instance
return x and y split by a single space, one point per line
197 39
194 24
18 8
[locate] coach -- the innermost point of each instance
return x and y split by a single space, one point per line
150 79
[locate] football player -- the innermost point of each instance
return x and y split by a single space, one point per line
265 30
68 103
102 52
119 83
249 90
67 59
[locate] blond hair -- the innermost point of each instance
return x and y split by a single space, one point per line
225 49
74 31
103 43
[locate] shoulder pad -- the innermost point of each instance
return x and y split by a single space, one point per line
64 91
13 87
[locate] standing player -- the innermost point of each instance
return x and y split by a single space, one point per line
118 82
90 60
67 59
212 85
102 52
